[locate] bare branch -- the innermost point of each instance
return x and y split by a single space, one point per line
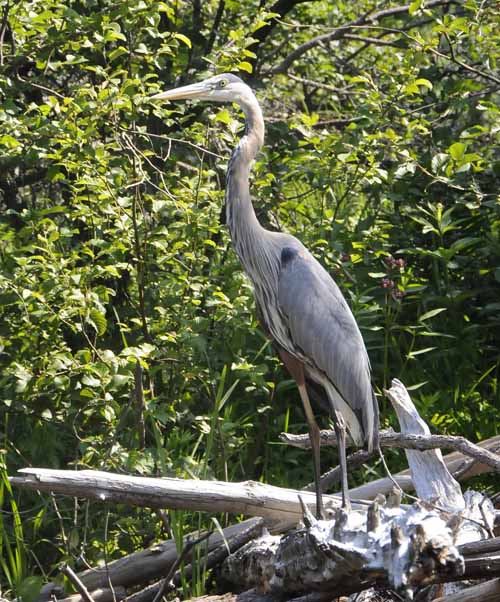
368 40
340 32
140 405
402 441
312 83
167 583
79 586
460 63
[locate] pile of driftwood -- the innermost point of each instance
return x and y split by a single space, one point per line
436 547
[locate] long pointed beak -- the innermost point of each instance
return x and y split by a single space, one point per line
184 92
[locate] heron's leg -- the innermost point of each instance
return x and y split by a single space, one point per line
339 426
314 435
296 369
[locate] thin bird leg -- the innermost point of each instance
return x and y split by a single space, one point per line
340 428
314 436
296 369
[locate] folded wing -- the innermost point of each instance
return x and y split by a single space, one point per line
322 326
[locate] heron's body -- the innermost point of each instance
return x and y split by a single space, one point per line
301 307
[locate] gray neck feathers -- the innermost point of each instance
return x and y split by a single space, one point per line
240 215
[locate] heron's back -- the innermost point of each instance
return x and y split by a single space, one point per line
324 333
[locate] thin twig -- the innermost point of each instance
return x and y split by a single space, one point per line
451 57
167 583
368 40
40 87
139 400
355 460
170 140
79 586
315 84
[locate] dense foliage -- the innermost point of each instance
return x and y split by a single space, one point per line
128 340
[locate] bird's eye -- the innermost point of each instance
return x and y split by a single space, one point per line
223 83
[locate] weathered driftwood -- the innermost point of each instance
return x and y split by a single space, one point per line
417 441
250 498
231 544
460 466
481 548
154 562
479 458
402 547
430 476
252 595
50 591
478 567
483 592
99 595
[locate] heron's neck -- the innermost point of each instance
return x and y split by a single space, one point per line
240 215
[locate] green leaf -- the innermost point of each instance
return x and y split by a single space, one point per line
245 66
414 87
439 161
414 7
184 39
457 150
9 141
420 352
98 321
431 314
421 81
91 381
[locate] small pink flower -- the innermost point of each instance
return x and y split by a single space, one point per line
400 263
387 283
345 257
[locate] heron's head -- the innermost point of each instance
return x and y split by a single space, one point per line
220 88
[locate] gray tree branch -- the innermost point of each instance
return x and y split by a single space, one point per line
340 32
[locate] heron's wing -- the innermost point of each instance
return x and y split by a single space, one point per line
323 328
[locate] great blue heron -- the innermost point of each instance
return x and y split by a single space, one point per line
299 304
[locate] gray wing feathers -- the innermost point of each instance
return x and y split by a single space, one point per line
323 327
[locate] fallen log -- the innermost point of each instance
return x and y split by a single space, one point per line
212 559
485 592
404 548
249 497
154 562
99 595
481 548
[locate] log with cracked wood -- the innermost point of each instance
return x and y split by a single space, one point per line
378 543
401 547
